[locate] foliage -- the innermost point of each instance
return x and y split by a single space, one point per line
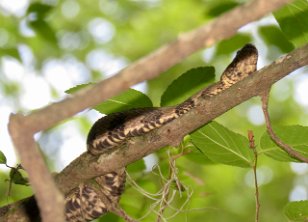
187 84
125 101
2 158
223 146
101 36
297 210
294 22
292 135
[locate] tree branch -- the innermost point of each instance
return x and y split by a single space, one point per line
155 63
22 128
285 147
88 166
40 178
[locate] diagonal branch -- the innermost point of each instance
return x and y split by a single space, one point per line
22 128
88 166
155 63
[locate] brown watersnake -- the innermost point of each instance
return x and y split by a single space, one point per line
86 203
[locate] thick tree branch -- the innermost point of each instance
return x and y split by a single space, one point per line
87 166
23 128
33 162
155 63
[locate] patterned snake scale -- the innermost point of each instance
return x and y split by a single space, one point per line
85 203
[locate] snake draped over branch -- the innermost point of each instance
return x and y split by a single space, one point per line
85 202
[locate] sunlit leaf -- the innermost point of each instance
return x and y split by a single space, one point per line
221 7
2 158
77 88
221 145
187 84
110 217
272 35
295 136
198 156
40 10
233 44
138 166
127 100
297 210
293 21
13 52
44 29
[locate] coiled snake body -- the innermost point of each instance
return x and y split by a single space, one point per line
84 203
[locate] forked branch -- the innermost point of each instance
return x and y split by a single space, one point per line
287 148
23 128
87 166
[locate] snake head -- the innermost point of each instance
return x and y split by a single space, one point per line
244 63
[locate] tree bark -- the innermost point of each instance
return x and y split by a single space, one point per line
22 128
88 166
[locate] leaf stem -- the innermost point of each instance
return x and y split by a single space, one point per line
254 167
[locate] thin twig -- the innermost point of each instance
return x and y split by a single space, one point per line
254 167
165 201
274 137
166 189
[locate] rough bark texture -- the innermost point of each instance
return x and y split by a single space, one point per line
87 166
23 128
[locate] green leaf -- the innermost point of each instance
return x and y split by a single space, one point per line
17 178
232 44
221 7
37 13
198 157
137 166
13 52
2 158
272 35
40 10
109 217
44 29
295 136
297 210
221 145
293 21
127 100
187 84
78 87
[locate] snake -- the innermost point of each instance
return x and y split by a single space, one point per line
87 201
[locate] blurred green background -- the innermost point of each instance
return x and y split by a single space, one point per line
47 47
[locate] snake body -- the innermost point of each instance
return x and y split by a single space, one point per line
85 203
111 131
89 201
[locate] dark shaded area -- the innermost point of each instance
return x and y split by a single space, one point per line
28 205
